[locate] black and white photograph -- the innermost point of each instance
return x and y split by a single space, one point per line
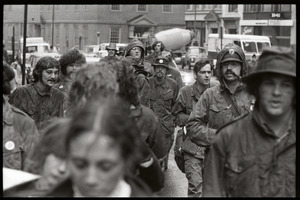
149 100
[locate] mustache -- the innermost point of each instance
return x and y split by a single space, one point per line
51 79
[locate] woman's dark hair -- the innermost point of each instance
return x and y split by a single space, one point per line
70 57
92 81
43 64
52 141
128 89
8 75
162 45
107 116
201 63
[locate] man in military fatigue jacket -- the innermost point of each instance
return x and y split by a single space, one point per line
161 99
187 98
255 155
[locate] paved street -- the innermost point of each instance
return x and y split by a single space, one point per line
175 180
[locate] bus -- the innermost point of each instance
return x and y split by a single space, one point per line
250 44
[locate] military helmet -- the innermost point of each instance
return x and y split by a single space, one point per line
161 61
231 52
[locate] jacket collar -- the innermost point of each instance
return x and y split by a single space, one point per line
7 114
197 90
263 124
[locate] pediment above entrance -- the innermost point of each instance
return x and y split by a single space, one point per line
211 16
142 20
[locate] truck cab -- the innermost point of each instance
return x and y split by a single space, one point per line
250 44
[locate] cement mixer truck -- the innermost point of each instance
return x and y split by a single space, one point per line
175 39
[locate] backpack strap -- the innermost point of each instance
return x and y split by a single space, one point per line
230 102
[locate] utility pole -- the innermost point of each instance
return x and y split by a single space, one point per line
53 27
195 23
24 44
13 45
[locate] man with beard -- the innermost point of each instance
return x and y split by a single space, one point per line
221 104
255 155
112 49
70 62
40 100
161 99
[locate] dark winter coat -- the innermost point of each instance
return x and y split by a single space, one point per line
249 160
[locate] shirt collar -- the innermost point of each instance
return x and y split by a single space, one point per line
162 84
42 92
263 124
197 90
225 87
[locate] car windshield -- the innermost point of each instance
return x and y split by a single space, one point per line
261 45
249 47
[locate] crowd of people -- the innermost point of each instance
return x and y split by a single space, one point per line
106 129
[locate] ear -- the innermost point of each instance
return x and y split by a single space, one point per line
195 76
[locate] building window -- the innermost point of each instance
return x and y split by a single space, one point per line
251 8
57 33
232 8
214 30
114 35
76 8
115 7
76 34
267 8
285 8
189 7
85 34
167 8
67 33
142 7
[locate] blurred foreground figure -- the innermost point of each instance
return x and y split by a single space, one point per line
255 155
99 80
101 145
40 100
49 162
19 131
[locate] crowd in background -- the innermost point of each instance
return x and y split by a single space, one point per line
106 129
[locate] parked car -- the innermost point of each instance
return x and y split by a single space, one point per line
179 57
195 53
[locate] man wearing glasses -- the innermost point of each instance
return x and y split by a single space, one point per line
70 62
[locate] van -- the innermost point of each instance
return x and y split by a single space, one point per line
34 45
251 44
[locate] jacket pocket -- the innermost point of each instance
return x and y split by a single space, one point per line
219 115
168 98
241 176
